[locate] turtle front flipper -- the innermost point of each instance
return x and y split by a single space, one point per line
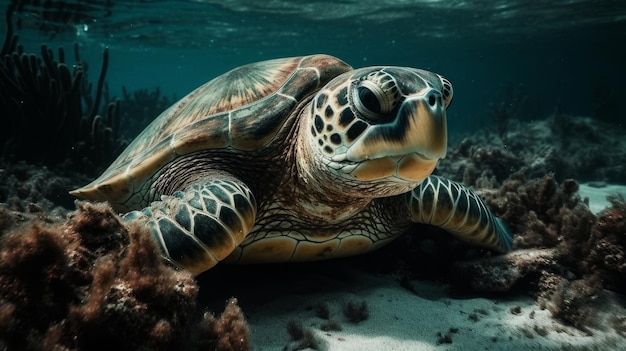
458 210
201 225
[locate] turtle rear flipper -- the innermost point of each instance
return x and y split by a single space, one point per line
198 227
458 210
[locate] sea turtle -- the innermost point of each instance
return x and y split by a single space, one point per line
295 159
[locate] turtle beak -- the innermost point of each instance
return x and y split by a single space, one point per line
409 147
419 128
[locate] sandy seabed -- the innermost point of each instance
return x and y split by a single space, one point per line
430 319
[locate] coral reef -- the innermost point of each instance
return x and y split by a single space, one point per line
543 213
23 186
567 146
572 300
501 273
93 283
565 255
607 244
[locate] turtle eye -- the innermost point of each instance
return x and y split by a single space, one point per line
374 98
368 100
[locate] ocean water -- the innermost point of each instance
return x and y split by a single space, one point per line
562 55
565 54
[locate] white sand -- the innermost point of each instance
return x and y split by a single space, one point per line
597 195
401 320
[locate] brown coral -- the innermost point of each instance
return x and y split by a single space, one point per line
229 332
564 253
501 273
571 301
546 217
608 245
90 283
544 214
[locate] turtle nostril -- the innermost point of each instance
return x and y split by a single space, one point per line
432 100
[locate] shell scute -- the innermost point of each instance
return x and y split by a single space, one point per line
254 127
328 66
211 132
141 169
244 109
307 79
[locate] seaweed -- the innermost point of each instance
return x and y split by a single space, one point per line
93 283
90 283
229 332
44 103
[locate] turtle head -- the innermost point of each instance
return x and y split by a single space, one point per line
380 125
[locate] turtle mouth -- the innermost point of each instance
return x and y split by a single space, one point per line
411 167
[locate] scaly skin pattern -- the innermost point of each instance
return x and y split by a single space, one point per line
294 160
198 228
451 206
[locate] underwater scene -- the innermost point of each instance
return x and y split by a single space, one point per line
313 175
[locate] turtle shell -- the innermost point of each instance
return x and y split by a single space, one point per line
242 109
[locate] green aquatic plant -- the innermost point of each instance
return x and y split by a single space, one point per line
49 113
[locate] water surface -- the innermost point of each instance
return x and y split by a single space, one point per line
566 55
